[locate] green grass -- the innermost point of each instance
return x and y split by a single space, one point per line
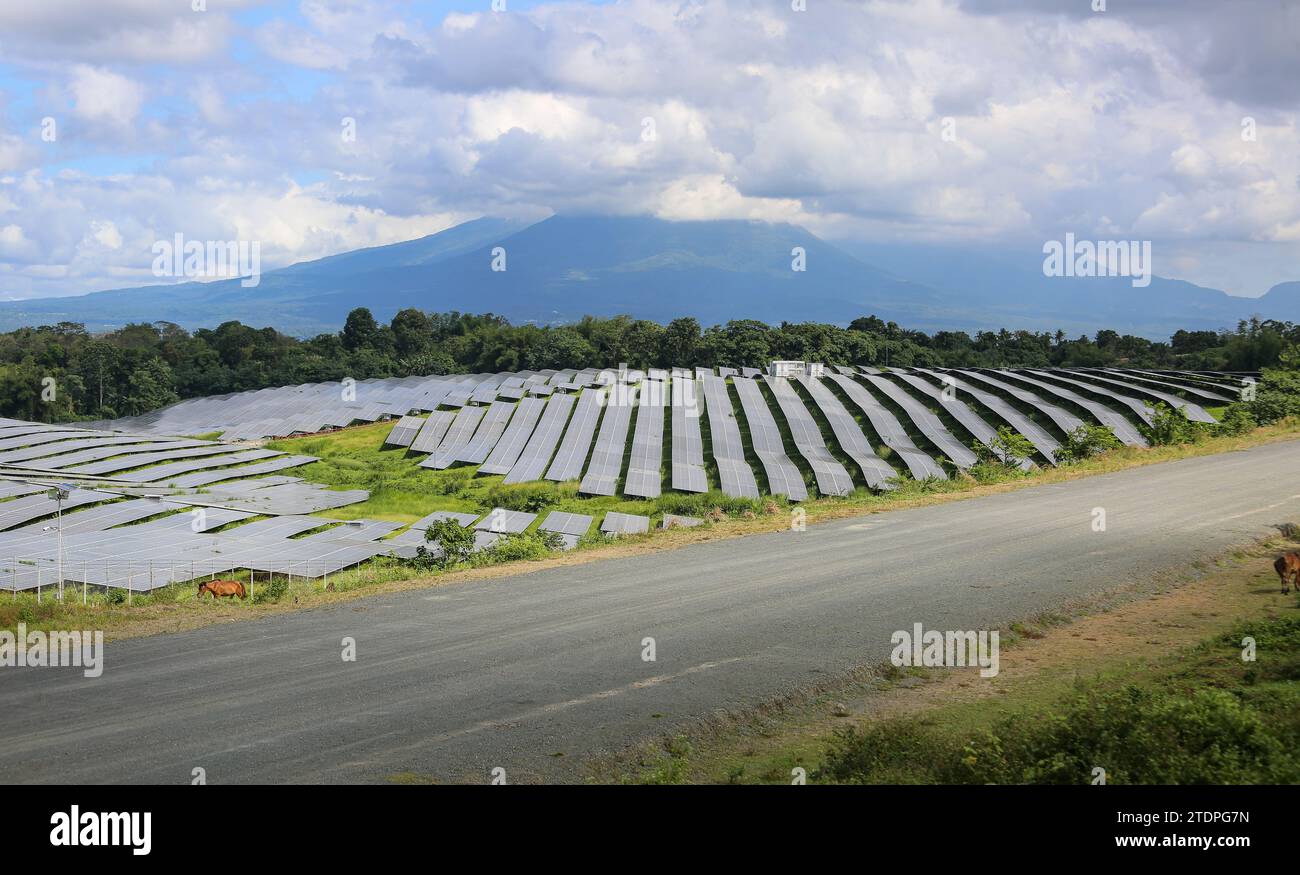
1212 718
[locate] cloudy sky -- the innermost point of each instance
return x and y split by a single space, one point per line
987 124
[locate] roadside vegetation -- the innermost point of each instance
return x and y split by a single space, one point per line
1214 719
1195 683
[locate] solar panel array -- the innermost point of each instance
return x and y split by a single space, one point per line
832 477
572 454
536 457
689 474
728 451
144 498
607 457
643 469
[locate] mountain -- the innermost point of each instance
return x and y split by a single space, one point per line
565 267
1014 292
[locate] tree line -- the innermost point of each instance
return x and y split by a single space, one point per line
64 373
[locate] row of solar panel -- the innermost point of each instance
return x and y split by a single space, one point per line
523 437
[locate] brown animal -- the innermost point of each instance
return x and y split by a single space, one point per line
223 589
1288 565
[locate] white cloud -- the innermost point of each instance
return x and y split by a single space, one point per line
102 95
835 118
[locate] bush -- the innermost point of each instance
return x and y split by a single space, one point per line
1169 426
703 503
272 591
1009 448
1237 419
453 482
1277 396
888 752
1085 442
523 545
530 497
454 540
1138 736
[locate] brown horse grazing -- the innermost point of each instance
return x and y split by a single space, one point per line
1288 565
223 588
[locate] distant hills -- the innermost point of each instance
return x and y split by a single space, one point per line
564 267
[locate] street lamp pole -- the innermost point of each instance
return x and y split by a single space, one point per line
59 493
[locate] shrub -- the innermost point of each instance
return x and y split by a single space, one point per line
887 752
1085 442
1008 448
530 497
453 481
523 545
1139 736
1169 426
702 504
1277 396
1237 419
455 541
272 591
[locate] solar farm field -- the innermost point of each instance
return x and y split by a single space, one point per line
292 486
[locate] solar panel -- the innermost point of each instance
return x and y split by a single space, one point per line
832 477
891 431
23 510
1210 390
204 478
59 448
355 530
564 523
688 447
489 431
1064 419
926 422
104 516
956 408
433 431
404 431
728 451
1042 441
41 437
138 460
507 522
783 478
674 521
465 519
878 473
607 457
13 489
457 438
536 456
624 524
512 443
1193 412
643 472
572 453
1116 422
157 473
1139 407
1216 397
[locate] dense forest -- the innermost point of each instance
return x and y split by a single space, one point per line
61 372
